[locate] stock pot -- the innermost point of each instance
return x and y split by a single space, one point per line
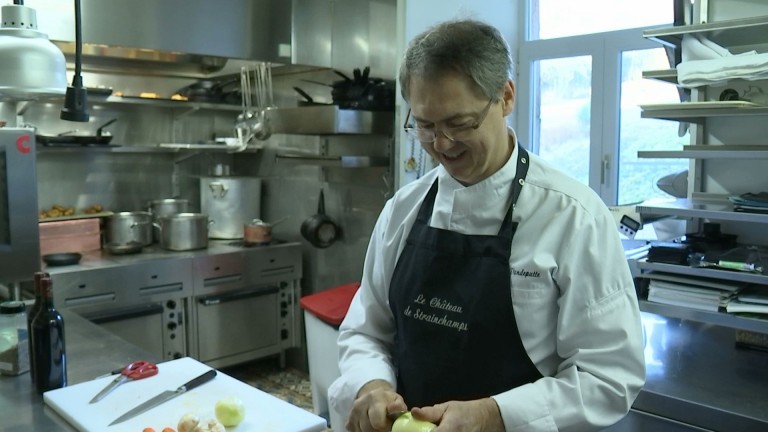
125 228
183 231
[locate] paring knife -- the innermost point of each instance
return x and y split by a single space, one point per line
166 396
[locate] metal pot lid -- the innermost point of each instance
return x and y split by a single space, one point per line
130 214
185 216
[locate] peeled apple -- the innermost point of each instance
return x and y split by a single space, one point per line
230 411
406 423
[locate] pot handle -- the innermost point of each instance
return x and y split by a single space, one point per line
157 225
218 188
136 224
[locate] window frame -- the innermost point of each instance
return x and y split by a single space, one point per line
606 51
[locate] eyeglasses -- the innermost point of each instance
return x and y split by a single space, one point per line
459 133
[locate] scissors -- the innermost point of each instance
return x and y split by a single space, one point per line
134 371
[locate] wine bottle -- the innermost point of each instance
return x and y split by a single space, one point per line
30 315
50 358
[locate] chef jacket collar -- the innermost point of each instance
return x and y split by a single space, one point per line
476 201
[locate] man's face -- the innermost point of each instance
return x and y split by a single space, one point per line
453 103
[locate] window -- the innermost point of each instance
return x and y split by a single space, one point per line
581 112
562 18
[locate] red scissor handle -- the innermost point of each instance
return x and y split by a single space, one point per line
140 369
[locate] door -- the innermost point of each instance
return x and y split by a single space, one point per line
142 326
236 322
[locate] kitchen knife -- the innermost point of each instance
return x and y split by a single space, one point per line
166 396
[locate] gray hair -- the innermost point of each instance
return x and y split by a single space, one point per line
470 47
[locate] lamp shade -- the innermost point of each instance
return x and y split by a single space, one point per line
31 67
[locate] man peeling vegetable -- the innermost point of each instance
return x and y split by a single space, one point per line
495 295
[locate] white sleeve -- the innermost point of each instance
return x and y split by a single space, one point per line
366 336
599 339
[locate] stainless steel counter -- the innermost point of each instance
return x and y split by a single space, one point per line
100 259
696 375
91 352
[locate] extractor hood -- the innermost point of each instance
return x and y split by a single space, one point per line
198 38
171 36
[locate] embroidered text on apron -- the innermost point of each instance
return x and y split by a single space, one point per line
456 334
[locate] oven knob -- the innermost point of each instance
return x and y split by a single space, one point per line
172 326
284 333
283 313
177 355
171 304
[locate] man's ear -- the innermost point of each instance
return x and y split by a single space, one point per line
508 97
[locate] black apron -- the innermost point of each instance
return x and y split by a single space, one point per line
456 334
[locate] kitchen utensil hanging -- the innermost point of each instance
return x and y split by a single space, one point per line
320 230
253 122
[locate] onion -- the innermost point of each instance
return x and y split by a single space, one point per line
188 422
406 423
230 411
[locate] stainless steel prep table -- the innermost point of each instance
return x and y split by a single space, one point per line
91 352
696 376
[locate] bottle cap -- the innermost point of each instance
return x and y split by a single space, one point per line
12 307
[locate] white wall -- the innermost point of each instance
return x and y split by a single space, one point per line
414 16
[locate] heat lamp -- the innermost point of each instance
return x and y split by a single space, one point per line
32 67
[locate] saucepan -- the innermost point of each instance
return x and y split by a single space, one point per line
320 230
259 232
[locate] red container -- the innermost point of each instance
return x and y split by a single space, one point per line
330 305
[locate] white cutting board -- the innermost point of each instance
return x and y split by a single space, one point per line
263 412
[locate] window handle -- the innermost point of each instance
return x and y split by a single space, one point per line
605 168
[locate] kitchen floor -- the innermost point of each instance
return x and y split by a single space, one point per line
288 384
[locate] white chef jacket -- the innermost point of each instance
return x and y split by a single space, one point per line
573 296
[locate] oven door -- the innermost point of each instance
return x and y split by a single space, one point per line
141 326
236 323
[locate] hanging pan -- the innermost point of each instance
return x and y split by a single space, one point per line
320 230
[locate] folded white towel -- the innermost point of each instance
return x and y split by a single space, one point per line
697 47
718 71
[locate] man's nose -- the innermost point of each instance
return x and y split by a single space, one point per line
441 141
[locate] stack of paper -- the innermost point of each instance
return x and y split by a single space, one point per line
753 299
698 293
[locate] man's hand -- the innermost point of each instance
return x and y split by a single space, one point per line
481 415
369 411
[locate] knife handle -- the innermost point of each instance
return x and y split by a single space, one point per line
202 379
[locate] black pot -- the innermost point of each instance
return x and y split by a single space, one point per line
319 229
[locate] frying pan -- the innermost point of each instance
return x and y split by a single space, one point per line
124 248
101 137
308 101
213 91
62 259
319 229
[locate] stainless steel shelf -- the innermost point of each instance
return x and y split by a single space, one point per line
717 318
334 161
155 102
696 112
732 276
666 75
730 33
330 120
709 152
140 148
706 209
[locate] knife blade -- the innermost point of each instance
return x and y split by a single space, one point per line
166 396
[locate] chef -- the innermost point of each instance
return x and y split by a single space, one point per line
495 295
